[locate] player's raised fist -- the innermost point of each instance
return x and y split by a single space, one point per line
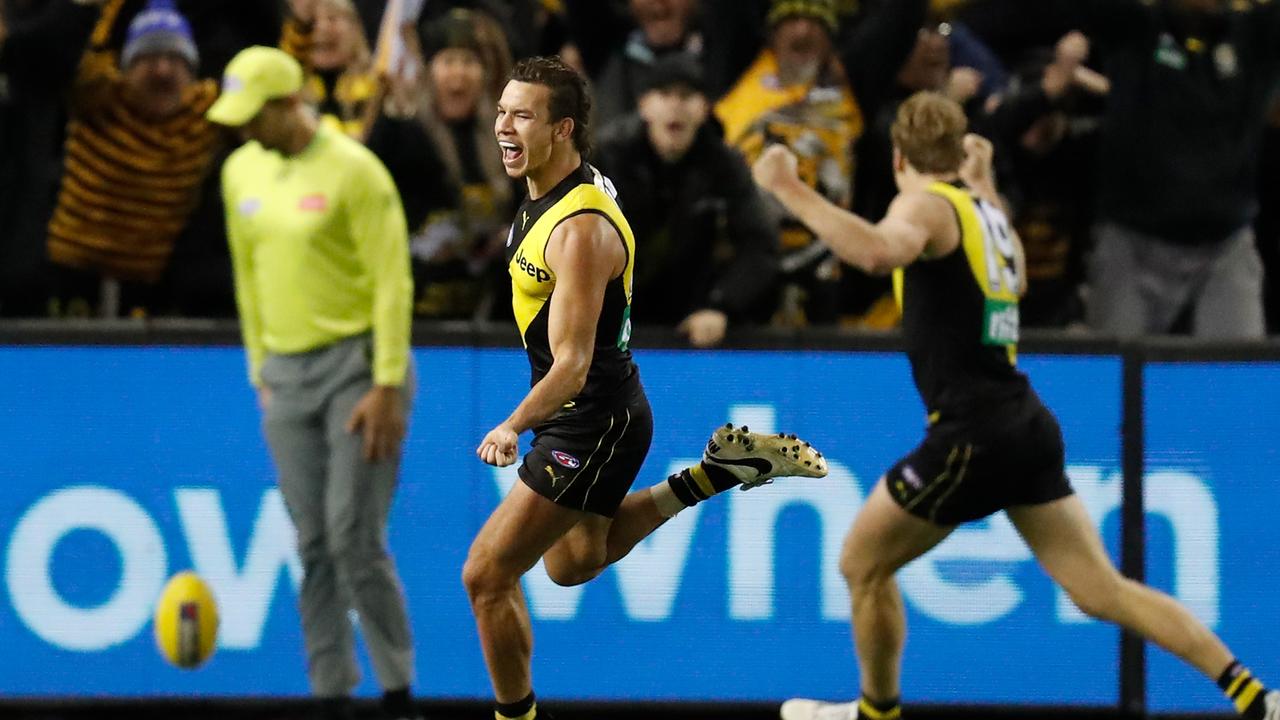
976 170
775 166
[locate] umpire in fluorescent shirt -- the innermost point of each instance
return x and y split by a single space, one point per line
321 258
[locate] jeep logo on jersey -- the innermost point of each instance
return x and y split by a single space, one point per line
533 271
566 459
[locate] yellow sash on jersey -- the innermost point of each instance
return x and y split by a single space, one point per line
989 246
532 281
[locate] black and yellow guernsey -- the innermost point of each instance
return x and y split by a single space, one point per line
960 315
612 377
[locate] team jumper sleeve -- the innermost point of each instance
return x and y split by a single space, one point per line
98 72
247 301
380 233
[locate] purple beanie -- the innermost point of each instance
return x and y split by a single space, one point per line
159 28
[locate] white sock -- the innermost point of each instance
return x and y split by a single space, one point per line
665 498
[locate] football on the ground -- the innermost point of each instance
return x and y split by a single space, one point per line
186 621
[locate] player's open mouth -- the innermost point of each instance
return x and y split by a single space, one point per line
511 152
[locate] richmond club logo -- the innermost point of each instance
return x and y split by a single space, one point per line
566 459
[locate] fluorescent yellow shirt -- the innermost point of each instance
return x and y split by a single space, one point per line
320 250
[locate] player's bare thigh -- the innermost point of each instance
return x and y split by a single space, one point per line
884 537
1066 542
521 529
581 553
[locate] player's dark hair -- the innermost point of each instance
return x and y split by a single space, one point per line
569 95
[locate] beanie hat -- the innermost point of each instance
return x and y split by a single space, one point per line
159 28
674 69
455 30
824 11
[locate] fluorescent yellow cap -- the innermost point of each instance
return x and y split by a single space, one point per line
253 77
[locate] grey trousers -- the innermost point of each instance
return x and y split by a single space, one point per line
339 505
1139 285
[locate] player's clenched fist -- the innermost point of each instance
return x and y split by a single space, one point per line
976 169
775 167
498 447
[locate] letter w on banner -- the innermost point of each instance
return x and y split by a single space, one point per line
398 21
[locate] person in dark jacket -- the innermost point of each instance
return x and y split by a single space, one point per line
1190 85
1177 195
708 244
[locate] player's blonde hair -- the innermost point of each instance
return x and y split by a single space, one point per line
929 132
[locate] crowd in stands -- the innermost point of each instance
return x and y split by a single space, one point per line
1138 145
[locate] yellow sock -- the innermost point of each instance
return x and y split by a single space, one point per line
871 712
1244 691
699 476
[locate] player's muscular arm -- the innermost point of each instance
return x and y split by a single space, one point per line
978 172
585 254
921 223
903 235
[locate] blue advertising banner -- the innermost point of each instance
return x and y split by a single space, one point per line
1212 536
125 465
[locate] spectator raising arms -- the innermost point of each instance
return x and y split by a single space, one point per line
1191 82
804 92
1046 127
137 152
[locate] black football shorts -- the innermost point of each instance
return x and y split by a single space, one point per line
587 459
967 471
